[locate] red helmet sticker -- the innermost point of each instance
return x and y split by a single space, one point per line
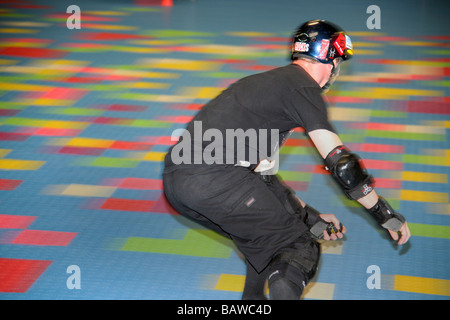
324 48
339 43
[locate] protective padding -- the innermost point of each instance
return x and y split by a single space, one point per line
387 217
346 169
298 262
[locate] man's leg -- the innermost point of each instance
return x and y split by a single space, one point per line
169 180
288 273
256 218
238 203
292 269
255 284
285 289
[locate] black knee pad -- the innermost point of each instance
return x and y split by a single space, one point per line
284 289
297 262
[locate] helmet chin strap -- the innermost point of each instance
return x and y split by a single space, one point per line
327 85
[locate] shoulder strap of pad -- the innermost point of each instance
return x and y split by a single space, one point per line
334 155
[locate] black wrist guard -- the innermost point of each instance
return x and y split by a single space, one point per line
386 216
311 216
321 226
317 225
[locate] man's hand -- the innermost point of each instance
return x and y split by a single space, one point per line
391 220
334 236
404 234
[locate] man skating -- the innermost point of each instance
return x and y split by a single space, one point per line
221 173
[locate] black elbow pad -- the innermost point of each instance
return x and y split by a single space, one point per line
346 169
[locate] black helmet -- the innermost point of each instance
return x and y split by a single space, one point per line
322 41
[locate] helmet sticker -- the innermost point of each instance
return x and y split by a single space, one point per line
339 43
332 53
324 48
303 37
301 47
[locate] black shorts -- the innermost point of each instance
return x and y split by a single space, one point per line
237 203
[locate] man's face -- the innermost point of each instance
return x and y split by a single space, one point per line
330 73
337 67
337 64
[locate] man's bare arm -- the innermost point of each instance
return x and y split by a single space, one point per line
326 141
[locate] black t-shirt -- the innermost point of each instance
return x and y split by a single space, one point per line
251 119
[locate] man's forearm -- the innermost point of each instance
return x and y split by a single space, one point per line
370 200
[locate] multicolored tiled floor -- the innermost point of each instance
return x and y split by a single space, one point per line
86 116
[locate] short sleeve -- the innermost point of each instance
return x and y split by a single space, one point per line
309 109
